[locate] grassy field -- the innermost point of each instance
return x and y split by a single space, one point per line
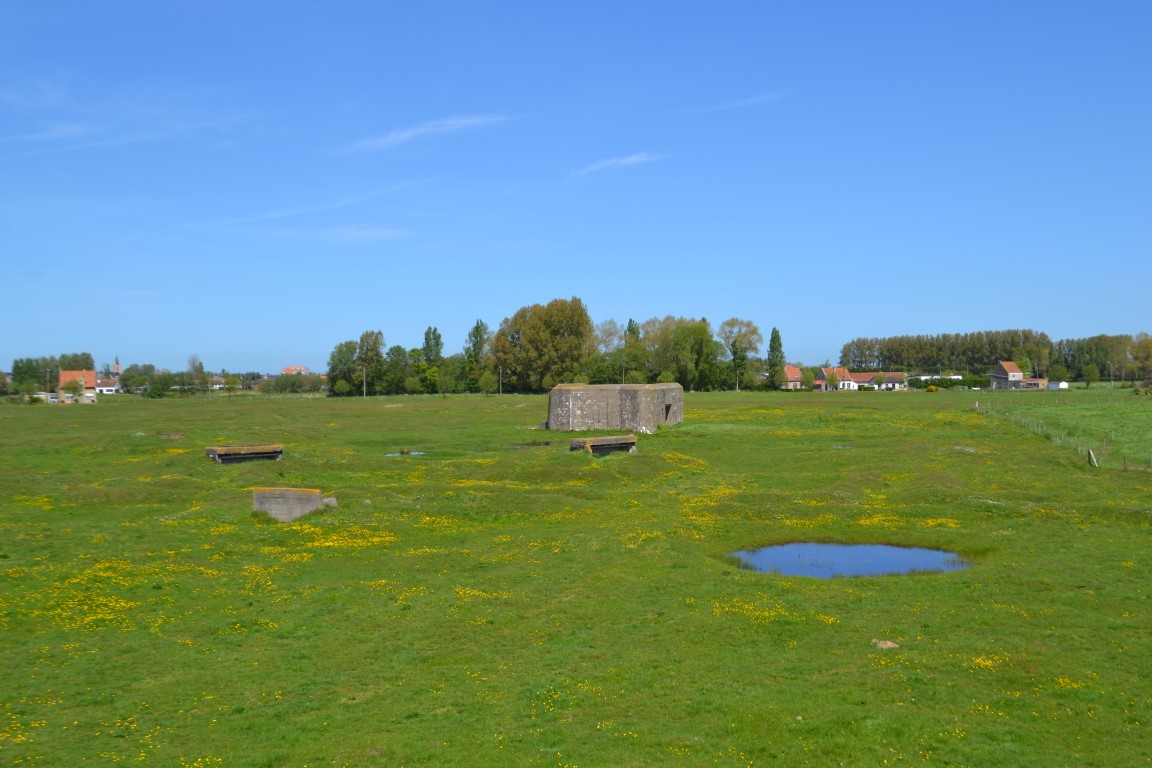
494 604
1111 422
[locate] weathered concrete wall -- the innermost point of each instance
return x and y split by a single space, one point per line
632 407
287 504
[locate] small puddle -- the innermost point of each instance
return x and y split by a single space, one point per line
826 561
405 453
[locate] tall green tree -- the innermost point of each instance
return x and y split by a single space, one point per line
657 335
634 367
807 377
674 350
777 376
740 338
609 336
342 374
696 356
77 361
370 362
541 346
137 376
475 354
433 347
33 373
1142 356
397 369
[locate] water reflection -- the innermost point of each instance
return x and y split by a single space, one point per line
830 560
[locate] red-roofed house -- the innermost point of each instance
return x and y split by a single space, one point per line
830 379
86 378
793 377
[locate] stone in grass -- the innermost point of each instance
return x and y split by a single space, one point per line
884 645
288 504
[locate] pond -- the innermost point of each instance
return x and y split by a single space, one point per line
827 561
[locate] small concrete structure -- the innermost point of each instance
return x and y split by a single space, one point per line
602 446
287 504
635 407
229 454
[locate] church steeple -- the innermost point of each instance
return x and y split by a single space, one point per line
116 368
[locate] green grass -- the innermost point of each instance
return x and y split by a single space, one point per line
488 606
1111 422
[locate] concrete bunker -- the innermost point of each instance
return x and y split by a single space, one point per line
287 504
632 407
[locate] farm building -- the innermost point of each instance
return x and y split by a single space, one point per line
1007 375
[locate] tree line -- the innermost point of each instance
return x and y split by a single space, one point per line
542 345
31 375
39 374
1119 357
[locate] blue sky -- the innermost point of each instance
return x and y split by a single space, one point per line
255 182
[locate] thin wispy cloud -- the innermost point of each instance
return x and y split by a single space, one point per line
69 131
350 234
332 205
36 95
752 101
640 158
115 137
449 125
59 121
361 234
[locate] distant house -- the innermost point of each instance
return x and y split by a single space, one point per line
107 386
1007 375
883 380
294 370
86 378
793 377
830 379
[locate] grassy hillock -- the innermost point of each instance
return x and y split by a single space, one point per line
478 601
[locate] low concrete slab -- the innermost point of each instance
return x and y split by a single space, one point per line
604 445
287 504
229 454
